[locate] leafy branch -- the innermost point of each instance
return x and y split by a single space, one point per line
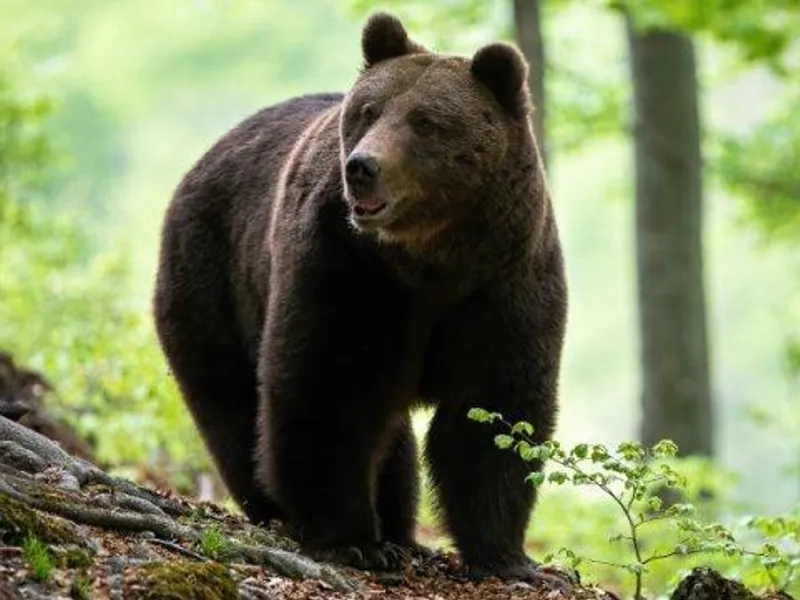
633 476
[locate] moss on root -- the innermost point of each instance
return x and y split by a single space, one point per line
182 581
18 522
73 557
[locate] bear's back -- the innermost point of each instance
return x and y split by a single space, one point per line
244 165
217 220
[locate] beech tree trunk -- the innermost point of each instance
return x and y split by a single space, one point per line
676 394
528 33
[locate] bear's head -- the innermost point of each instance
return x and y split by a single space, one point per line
426 138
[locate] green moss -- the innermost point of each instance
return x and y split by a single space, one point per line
196 516
39 559
215 545
73 557
182 581
81 588
18 522
258 536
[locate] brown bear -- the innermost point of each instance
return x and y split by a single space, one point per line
336 259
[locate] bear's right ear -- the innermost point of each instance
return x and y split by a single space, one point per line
384 37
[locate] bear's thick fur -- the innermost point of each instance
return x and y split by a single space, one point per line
334 260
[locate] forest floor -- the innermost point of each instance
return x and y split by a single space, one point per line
138 566
70 530
104 537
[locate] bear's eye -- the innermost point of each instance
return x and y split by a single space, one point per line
369 113
424 126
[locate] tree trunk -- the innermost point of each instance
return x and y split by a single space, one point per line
676 394
528 33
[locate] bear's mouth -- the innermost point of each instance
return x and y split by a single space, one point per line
367 211
369 215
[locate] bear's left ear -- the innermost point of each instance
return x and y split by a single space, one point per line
503 69
384 37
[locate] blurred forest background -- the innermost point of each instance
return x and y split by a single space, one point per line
105 104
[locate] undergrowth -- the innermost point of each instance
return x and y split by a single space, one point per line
646 531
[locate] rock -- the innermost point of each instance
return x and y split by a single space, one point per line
706 584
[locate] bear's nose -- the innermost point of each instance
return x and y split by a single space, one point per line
361 172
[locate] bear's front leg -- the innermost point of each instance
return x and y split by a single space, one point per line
334 381
482 490
500 351
320 459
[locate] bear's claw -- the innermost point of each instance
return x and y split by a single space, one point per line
377 557
527 571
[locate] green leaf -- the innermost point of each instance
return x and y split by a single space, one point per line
503 441
535 478
665 449
527 452
631 451
522 427
654 504
482 416
580 451
599 453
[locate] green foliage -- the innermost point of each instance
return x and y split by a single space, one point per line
74 557
66 313
24 148
779 552
40 561
66 309
480 415
80 588
199 67
761 29
215 545
782 420
593 519
588 104
635 479
761 166
793 357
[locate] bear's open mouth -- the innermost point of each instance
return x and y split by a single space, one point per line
363 211
370 218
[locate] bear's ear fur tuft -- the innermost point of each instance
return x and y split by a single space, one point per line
502 68
384 37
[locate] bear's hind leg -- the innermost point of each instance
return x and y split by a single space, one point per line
218 384
221 394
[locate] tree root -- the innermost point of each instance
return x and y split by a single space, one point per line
295 566
37 472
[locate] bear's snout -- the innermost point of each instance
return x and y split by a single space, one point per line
361 173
